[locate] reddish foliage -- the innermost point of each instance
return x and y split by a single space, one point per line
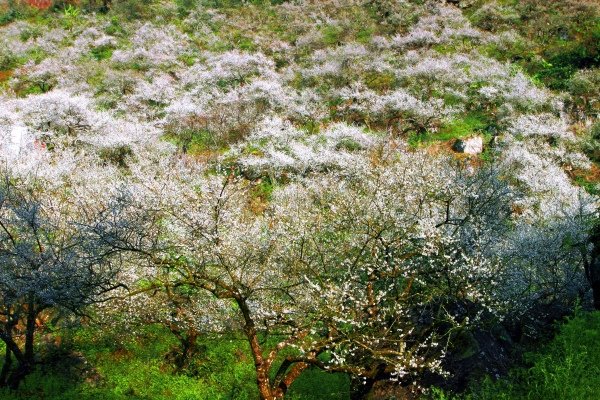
39 145
40 4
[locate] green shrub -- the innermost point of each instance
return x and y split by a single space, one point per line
115 28
125 366
193 141
238 3
30 32
133 9
332 34
380 81
7 16
102 52
563 36
591 143
8 60
568 368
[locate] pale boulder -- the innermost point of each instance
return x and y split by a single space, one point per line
472 145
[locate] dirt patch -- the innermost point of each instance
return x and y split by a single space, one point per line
5 75
121 354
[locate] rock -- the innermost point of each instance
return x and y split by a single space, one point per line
472 145
18 139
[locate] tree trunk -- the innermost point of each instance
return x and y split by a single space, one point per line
30 331
105 5
188 348
290 377
264 385
262 370
6 367
17 376
13 347
24 366
596 294
25 359
593 267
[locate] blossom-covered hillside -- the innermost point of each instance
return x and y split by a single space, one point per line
401 193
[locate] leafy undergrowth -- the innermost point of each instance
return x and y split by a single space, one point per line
566 368
135 368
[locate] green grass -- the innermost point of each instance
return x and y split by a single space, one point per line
102 52
590 186
332 34
195 142
134 367
459 128
315 384
365 34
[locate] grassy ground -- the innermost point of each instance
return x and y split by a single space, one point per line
566 368
135 369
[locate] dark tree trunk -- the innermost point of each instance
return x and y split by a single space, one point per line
596 294
29 333
15 376
105 5
18 374
360 388
12 377
6 367
187 350
24 366
592 268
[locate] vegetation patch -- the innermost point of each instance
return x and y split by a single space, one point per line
565 368
272 199
472 124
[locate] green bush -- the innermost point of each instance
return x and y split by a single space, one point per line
237 3
117 155
332 34
133 9
8 60
568 368
7 16
591 143
102 52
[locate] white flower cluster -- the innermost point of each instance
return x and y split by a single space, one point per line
445 25
540 125
153 46
276 148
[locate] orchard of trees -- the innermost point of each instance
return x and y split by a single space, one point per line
287 174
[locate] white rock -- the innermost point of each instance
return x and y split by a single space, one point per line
472 145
